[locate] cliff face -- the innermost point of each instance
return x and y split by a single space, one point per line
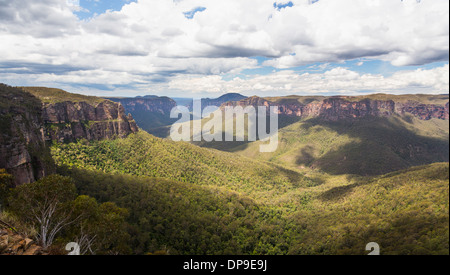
27 124
336 108
427 112
71 121
23 152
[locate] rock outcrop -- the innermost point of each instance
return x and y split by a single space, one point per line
71 121
23 152
427 112
336 108
14 244
28 122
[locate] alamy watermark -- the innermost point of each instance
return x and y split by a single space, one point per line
374 248
73 248
228 124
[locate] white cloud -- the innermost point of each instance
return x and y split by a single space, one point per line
152 40
39 19
402 32
338 81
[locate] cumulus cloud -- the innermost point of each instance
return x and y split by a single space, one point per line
334 81
40 19
153 41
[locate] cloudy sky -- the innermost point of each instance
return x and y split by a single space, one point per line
207 48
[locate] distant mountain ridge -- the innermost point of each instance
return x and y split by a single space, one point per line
364 135
220 100
149 103
223 99
150 111
341 107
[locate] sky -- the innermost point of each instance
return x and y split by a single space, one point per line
206 48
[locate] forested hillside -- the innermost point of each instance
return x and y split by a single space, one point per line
123 191
369 146
405 212
144 155
264 210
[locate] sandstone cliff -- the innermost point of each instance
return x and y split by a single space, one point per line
336 108
30 118
71 121
23 152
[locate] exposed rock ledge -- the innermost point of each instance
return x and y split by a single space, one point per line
30 119
69 121
14 244
337 108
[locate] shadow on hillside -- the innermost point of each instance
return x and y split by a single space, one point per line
383 145
299 179
229 146
161 132
226 146
338 193
306 156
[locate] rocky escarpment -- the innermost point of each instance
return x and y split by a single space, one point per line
336 108
12 243
23 152
427 112
30 118
71 121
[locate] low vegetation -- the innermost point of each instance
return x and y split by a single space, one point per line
55 214
52 96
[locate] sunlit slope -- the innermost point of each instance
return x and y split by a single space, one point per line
405 212
144 155
369 146
52 95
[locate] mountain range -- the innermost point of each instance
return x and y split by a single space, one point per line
348 171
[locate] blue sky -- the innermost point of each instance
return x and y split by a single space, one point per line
95 7
363 66
211 47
